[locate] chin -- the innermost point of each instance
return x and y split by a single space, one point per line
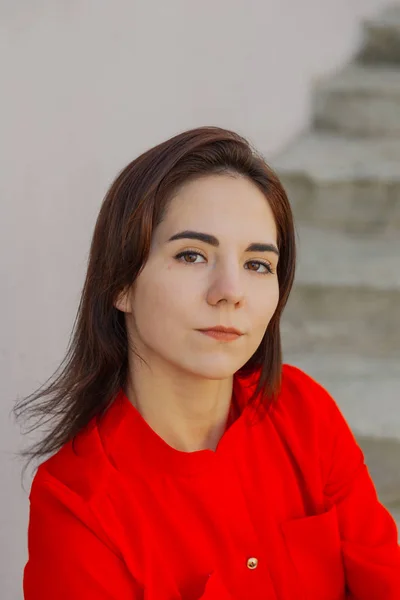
216 370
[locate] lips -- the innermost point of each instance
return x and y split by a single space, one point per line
221 336
222 329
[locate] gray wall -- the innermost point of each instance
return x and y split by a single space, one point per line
86 86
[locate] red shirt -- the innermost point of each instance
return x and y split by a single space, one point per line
284 509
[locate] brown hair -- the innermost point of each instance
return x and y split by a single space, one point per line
96 362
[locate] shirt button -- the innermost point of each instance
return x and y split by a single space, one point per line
252 563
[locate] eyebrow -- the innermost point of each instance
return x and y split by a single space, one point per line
213 241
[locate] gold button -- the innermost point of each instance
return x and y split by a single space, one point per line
252 563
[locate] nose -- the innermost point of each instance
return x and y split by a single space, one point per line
226 286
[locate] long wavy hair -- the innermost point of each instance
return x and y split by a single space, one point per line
96 361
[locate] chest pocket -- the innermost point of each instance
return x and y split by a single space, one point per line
315 549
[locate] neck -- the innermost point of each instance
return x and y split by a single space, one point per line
190 416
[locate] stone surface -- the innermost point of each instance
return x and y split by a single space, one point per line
328 157
361 101
366 389
382 37
336 258
321 318
346 295
343 183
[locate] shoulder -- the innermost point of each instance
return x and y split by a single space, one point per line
302 391
68 496
80 467
308 411
311 417
300 395
295 379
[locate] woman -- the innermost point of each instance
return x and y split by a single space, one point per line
186 462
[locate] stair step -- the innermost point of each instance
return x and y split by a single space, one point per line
382 37
367 390
350 184
335 258
360 101
342 320
327 319
346 295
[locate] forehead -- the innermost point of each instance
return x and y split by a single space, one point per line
224 205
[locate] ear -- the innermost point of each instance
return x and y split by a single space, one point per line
123 301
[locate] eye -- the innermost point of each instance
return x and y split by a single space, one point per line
189 257
188 254
258 263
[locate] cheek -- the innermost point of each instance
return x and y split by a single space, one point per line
265 303
160 307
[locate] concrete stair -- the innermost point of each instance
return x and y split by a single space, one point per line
360 100
346 297
366 390
342 322
344 183
382 38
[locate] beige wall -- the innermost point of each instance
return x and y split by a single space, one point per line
86 86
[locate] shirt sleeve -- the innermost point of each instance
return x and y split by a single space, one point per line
369 536
67 555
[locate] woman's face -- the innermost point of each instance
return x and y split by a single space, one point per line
192 284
